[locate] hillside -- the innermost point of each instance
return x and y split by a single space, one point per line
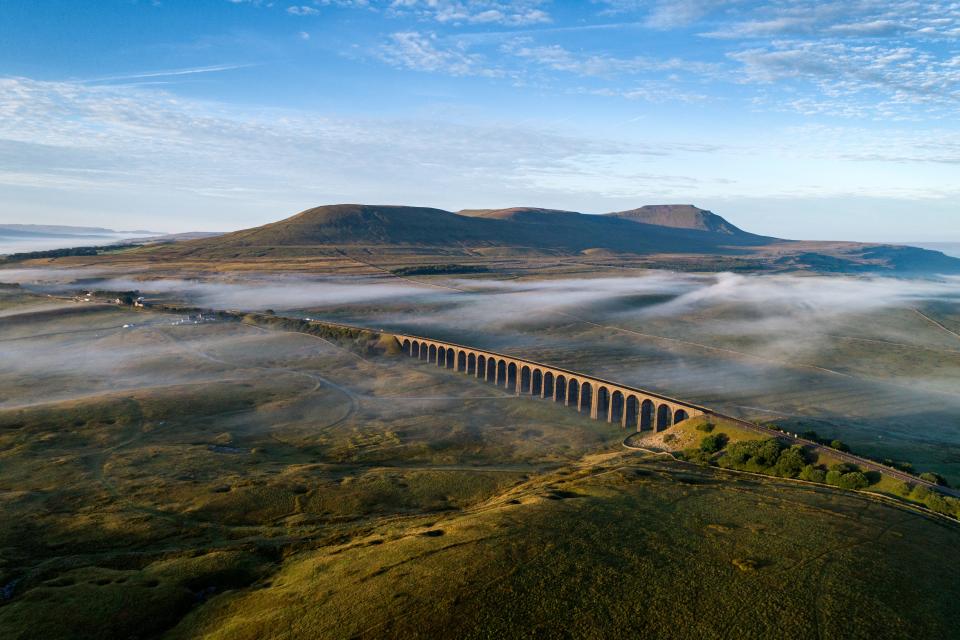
680 216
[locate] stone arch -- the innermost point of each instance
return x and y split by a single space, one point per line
501 371
462 361
603 404
560 383
451 358
482 367
548 383
616 407
441 356
663 417
472 364
511 376
415 349
680 416
573 393
491 370
586 397
646 415
632 413
408 347
424 351
525 379
536 383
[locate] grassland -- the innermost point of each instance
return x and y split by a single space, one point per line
222 480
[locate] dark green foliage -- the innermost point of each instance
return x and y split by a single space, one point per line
843 467
706 427
812 474
854 480
839 445
696 456
440 269
757 456
63 253
791 462
935 478
810 435
920 493
713 443
847 480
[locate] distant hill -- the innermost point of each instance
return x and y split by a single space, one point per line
665 233
679 216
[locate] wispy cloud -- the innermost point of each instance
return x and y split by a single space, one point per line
170 72
509 13
426 52
302 10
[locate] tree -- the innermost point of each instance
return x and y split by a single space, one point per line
791 462
843 467
935 478
713 442
833 477
854 480
812 474
839 445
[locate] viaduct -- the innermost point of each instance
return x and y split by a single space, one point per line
604 400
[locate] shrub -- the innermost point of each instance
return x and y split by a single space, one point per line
706 427
713 443
919 493
935 478
854 480
696 456
791 462
812 474
904 466
833 477
843 467
811 435
757 456
904 489
839 445
936 502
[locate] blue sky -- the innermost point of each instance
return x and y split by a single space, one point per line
820 120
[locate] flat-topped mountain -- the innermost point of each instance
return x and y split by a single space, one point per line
538 229
660 231
680 216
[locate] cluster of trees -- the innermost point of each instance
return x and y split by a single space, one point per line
440 269
774 458
63 253
906 467
934 501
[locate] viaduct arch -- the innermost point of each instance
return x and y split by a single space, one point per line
631 408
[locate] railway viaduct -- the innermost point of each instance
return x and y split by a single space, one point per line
604 400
